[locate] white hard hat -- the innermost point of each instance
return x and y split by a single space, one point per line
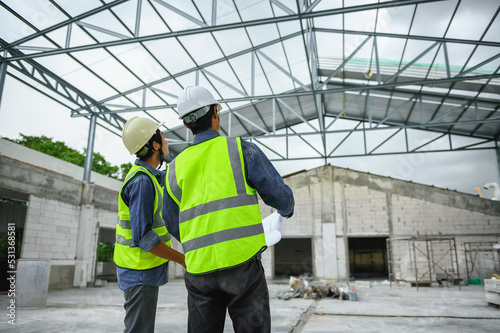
137 132
192 99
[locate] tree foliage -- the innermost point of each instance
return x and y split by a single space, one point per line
60 150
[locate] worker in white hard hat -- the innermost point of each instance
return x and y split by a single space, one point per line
211 207
143 247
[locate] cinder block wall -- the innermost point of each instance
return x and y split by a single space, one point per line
64 214
51 231
360 204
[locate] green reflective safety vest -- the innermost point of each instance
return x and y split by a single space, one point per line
220 222
126 254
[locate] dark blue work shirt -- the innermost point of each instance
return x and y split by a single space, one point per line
261 175
139 196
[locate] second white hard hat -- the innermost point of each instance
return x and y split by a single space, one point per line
194 98
137 132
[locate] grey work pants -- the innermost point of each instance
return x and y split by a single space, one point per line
241 290
140 309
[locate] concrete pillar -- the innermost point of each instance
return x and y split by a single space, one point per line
328 232
87 237
346 272
330 251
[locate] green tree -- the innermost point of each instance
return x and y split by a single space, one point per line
60 150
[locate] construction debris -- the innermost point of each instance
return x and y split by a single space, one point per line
303 287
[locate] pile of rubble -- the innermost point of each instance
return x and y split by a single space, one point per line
304 287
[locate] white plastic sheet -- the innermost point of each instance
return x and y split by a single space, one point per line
272 228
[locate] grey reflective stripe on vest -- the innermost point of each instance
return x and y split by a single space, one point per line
243 199
213 206
126 224
158 220
128 242
172 181
123 241
222 236
234 156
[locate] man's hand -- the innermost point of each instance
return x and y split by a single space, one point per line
162 250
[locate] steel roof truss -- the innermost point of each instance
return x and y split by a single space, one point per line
297 114
283 7
3 74
68 22
181 13
479 65
345 109
349 133
399 108
306 142
251 123
345 62
227 84
458 108
281 69
274 151
429 142
383 142
412 62
102 30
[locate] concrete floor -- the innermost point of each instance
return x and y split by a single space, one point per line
378 309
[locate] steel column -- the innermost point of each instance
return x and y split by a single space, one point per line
3 73
89 156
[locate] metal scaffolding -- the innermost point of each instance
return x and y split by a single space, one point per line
480 261
445 262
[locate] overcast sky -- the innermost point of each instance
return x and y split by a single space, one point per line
23 110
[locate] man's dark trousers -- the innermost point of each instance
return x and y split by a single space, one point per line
241 290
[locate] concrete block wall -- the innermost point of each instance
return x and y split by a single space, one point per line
364 205
63 216
51 230
106 218
366 211
418 217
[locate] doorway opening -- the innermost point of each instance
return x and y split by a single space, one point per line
13 211
293 257
106 268
368 258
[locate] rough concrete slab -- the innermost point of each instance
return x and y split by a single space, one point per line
378 309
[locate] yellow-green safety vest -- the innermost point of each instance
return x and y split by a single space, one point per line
220 222
126 254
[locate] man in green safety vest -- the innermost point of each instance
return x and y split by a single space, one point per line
143 247
211 207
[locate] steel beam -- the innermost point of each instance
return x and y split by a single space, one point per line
3 74
237 25
344 63
347 87
89 154
61 24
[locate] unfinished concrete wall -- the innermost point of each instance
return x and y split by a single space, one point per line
335 204
63 214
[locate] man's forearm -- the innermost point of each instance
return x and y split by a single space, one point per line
162 250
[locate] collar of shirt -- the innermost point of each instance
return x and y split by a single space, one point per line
155 172
205 136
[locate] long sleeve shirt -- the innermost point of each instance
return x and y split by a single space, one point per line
261 175
139 196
